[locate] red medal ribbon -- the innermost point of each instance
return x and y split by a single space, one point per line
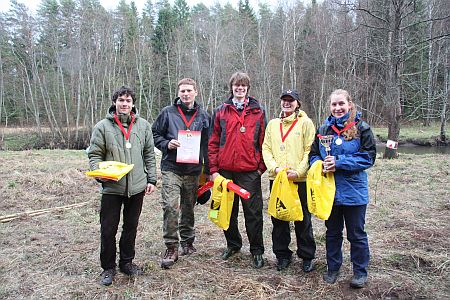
184 117
345 128
242 116
125 133
283 137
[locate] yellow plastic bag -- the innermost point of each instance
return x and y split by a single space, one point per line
110 170
221 203
320 190
284 202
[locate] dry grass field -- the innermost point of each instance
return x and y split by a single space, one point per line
55 255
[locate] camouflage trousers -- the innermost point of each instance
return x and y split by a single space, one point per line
179 194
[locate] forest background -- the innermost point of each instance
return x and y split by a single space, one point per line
60 64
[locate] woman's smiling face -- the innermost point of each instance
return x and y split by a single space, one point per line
288 105
339 105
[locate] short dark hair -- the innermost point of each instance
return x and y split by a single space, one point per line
189 81
239 78
123 90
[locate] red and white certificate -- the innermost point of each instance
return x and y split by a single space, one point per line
189 151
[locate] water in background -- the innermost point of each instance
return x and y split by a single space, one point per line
414 149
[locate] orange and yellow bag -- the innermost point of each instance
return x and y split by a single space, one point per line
221 203
320 190
284 202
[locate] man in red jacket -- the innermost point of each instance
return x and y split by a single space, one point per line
234 151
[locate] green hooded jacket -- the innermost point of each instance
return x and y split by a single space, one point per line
108 144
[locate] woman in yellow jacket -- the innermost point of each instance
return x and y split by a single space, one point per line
287 143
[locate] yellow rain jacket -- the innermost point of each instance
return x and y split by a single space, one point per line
296 146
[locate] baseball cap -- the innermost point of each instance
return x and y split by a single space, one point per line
292 93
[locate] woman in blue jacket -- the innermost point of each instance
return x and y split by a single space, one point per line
352 150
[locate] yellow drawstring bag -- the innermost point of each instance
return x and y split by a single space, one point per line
284 202
320 190
221 203
110 170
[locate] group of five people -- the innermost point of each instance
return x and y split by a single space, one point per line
239 144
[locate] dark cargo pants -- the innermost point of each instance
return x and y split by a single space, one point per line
179 194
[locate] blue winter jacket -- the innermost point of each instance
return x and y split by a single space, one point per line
352 158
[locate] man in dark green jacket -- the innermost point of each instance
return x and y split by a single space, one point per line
125 137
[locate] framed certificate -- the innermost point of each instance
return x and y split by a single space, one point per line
189 151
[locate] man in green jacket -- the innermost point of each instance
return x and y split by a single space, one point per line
125 137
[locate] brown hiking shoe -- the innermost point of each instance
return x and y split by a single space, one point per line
188 249
170 257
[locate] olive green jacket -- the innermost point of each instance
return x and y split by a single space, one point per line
108 144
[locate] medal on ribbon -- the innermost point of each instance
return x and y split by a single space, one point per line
338 140
125 133
284 136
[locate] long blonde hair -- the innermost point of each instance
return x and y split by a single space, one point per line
352 132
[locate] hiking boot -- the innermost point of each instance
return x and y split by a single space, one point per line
107 277
188 249
170 257
131 269
308 265
283 263
330 276
258 261
227 253
358 281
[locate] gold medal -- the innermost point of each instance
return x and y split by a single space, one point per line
128 145
242 129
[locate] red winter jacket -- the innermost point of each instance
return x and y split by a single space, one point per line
229 148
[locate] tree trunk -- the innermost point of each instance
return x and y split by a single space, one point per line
393 93
442 135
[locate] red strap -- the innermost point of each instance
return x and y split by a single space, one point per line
125 133
345 128
283 137
188 124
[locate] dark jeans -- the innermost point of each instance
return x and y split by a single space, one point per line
281 232
354 218
251 181
109 222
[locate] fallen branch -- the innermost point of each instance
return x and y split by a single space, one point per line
37 212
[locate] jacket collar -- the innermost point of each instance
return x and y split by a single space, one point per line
252 102
177 102
339 122
298 114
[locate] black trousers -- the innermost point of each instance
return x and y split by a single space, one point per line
281 233
111 206
251 181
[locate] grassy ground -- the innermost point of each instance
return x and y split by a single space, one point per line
55 255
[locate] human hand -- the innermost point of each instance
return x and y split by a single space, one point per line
149 189
102 180
329 164
173 144
291 174
213 176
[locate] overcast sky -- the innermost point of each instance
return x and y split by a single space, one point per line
111 4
